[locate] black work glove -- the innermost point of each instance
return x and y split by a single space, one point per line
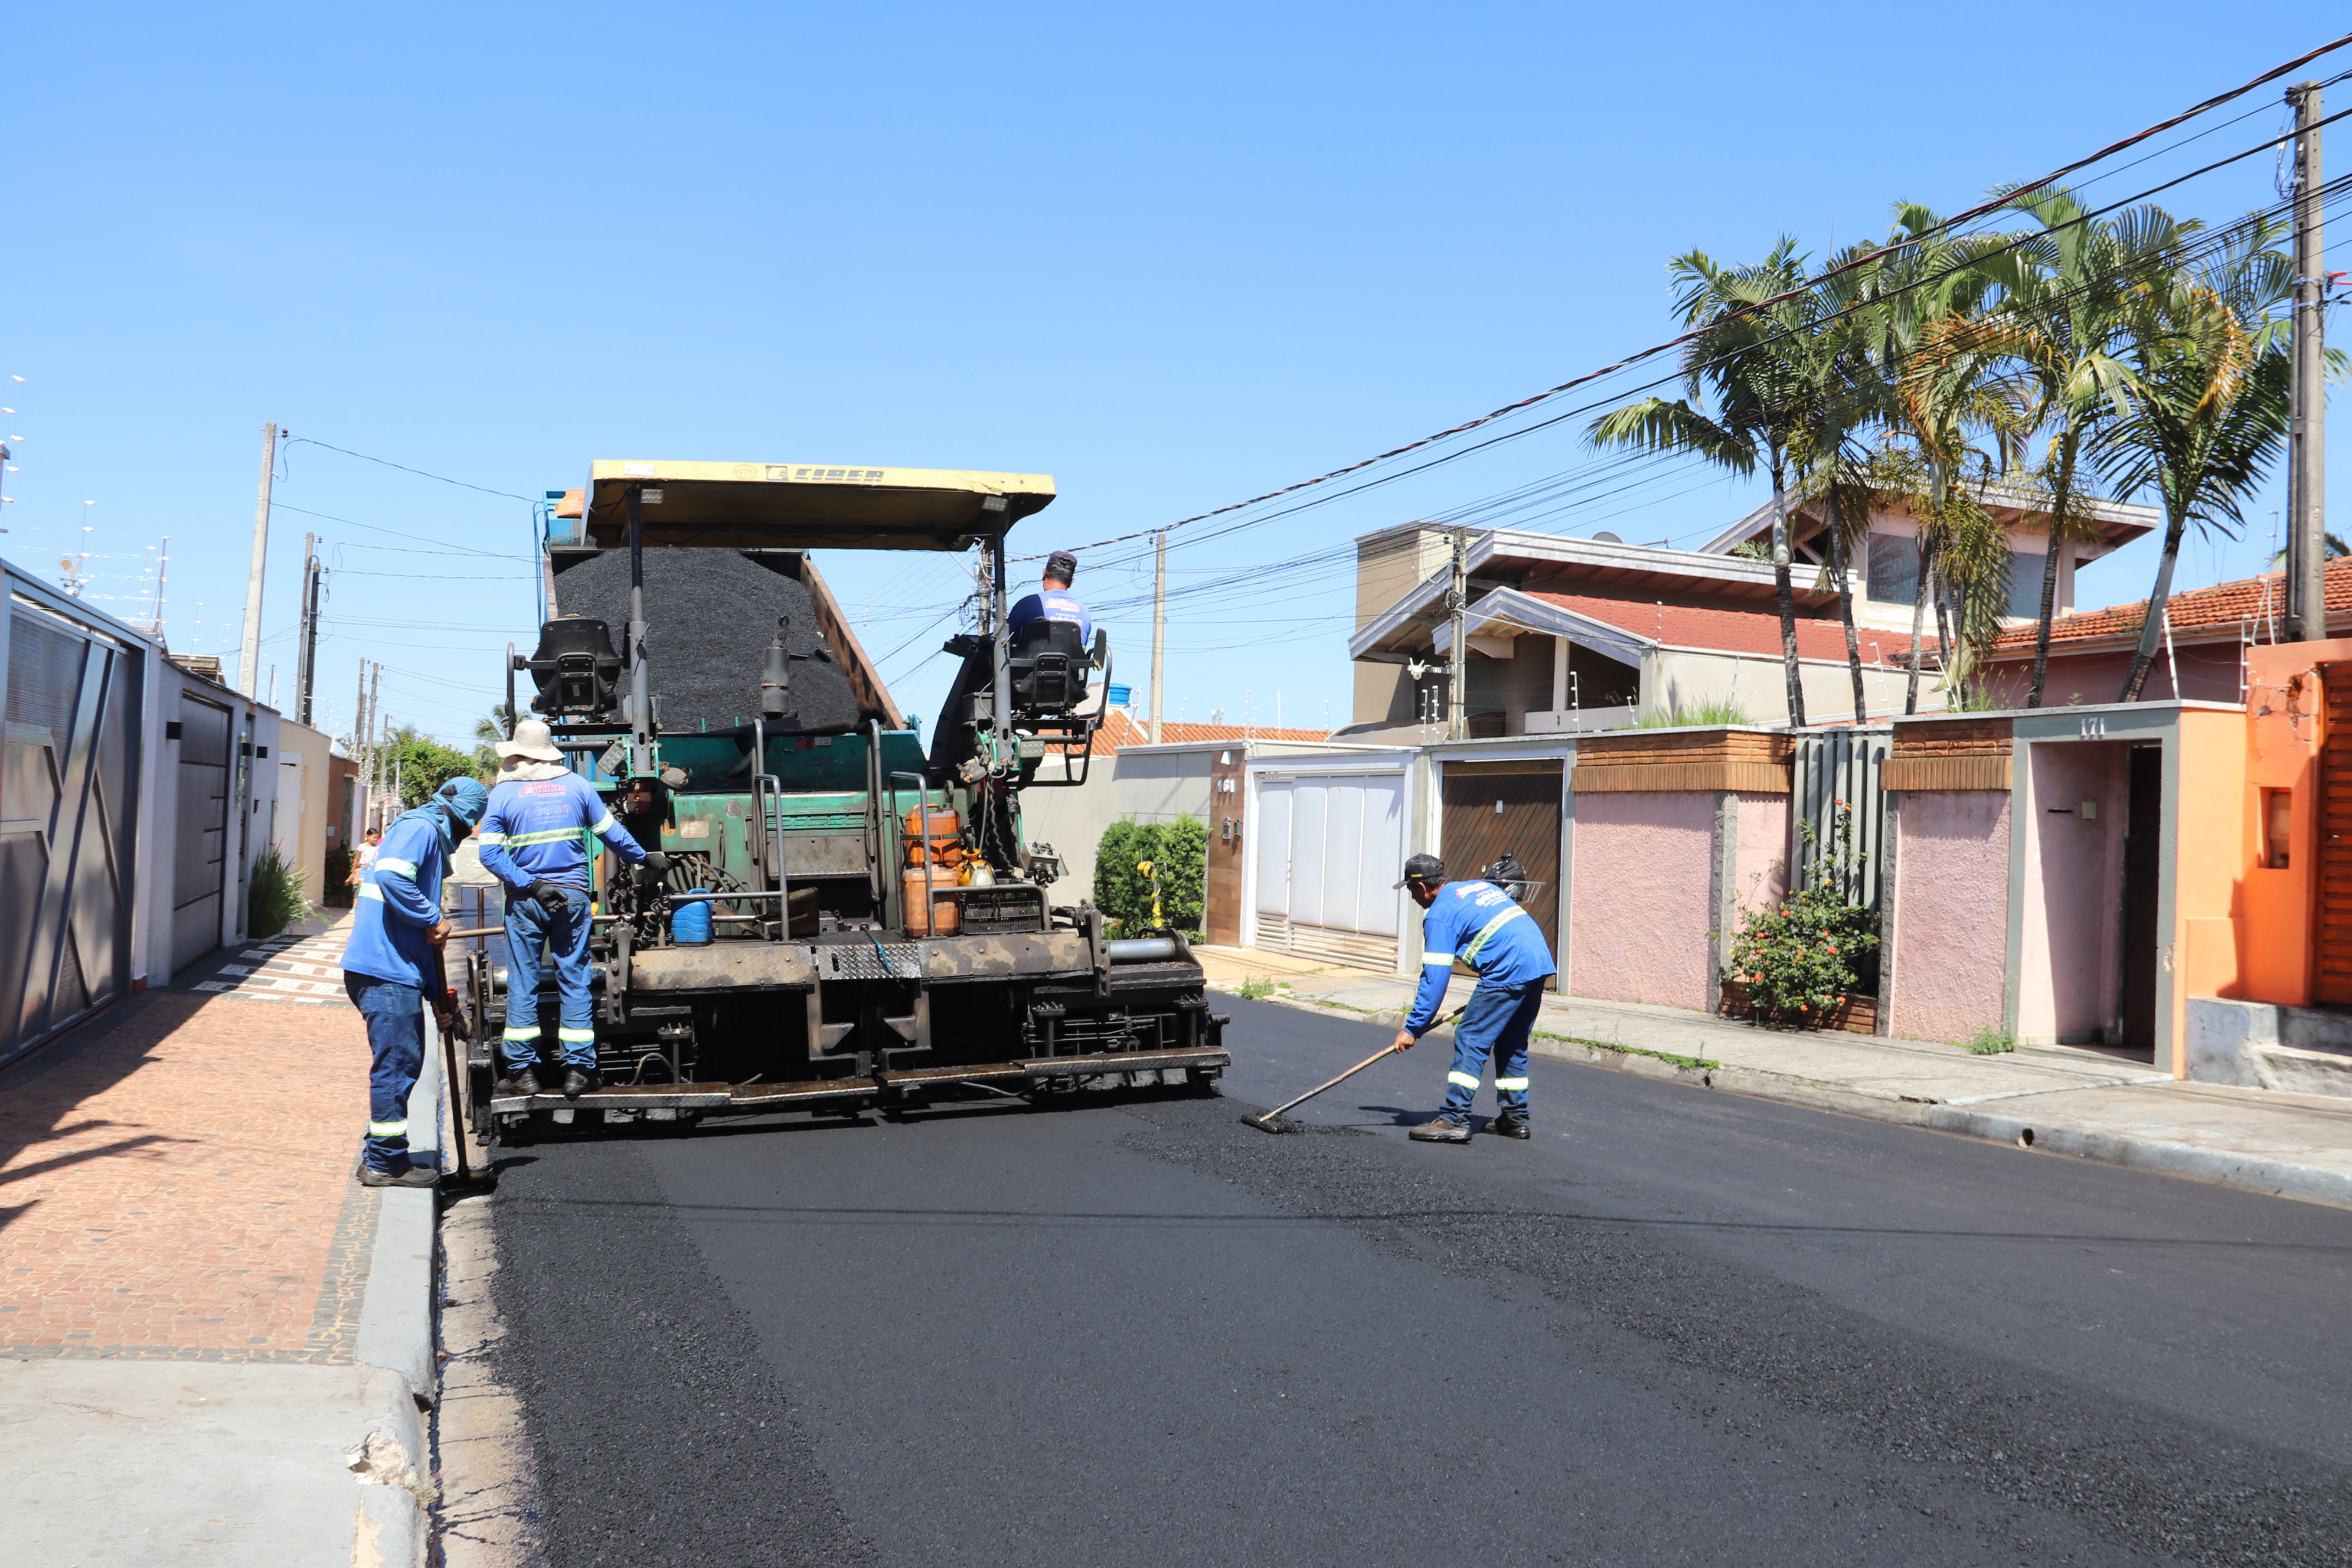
549 896
655 865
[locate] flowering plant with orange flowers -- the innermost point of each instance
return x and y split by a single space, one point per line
1802 957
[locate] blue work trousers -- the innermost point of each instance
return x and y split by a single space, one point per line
1495 1024
563 927
395 1028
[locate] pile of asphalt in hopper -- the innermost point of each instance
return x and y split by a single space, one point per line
708 616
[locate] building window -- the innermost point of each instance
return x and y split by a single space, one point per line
2025 570
1894 577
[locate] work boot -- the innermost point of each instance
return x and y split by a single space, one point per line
406 1176
576 1083
1510 1124
523 1083
1444 1129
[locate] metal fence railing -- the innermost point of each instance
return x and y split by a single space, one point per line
1831 767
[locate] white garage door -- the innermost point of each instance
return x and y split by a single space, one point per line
1329 851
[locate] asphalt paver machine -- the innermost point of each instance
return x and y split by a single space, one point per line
846 922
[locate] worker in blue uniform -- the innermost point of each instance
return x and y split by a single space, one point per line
388 963
1052 601
1477 923
533 841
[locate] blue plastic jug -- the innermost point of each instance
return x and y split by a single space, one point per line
690 923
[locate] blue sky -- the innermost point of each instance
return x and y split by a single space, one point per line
1173 258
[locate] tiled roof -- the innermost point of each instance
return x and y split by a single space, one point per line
1123 729
1722 631
2222 605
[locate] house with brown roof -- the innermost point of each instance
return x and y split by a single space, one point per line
2200 650
1575 634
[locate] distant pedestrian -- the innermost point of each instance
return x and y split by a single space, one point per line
397 925
1475 923
366 855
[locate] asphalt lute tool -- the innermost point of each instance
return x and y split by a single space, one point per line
1266 1122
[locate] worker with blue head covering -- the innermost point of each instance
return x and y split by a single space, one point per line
389 963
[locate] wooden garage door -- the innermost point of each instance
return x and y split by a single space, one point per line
1515 806
2334 986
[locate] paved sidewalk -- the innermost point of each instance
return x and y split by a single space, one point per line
2082 1102
213 1342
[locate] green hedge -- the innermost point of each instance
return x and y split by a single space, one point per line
1180 849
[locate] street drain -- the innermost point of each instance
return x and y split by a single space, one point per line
2025 1137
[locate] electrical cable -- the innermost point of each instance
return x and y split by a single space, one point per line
2007 199
404 467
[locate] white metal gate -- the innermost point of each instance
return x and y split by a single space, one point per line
1327 850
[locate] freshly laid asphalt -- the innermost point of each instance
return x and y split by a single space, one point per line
1677 1327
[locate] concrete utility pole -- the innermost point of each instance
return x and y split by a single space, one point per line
248 666
1457 674
1158 631
305 667
2306 549
375 752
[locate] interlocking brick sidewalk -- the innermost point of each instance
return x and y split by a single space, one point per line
181 1188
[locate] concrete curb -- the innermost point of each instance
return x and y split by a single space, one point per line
2275 1178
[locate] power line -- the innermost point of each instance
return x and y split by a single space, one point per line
2007 199
404 467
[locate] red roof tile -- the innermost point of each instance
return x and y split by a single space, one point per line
2222 605
1720 631
1123 729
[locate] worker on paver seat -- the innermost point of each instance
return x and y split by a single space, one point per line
388 963
531 842
1477 923
1052 601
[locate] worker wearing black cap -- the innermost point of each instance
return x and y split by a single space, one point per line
1477 923
1052 601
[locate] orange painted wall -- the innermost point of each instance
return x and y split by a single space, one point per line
2285 722
2213 866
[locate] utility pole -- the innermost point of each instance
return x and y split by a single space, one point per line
1158 631
1457 674
306 667
375 752
248 666
163 563
2307 558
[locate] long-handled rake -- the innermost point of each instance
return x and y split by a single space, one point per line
1266 1122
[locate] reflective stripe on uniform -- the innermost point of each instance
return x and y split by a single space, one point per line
490 837
1465 1079
1444 958
604 825
551 836
522 1031
1507 1083
575 1034
1471 951
385 863
388 1129
370 890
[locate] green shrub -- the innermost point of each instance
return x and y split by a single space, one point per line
1803 957
1991 1041
1714 712
335 885
1178 849
275 900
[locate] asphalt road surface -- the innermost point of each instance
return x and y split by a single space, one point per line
1678 1327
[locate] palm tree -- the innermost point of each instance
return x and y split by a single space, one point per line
1947 387
2206 409
1744 321
1848 394
2060 320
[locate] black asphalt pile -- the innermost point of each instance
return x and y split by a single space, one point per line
2125 1480
679 1447
709 615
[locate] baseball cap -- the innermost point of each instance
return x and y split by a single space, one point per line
1424 868
1062 566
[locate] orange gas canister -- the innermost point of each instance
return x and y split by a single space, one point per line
945 913
935 840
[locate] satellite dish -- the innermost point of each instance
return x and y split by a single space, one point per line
1606 539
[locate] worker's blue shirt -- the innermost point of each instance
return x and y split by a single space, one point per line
530 831
399 899
1477 924
1050 604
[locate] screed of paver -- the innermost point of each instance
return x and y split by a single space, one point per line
181 1186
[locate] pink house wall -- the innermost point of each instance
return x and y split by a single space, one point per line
1761 865
1951 913
2069 960
1639 907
